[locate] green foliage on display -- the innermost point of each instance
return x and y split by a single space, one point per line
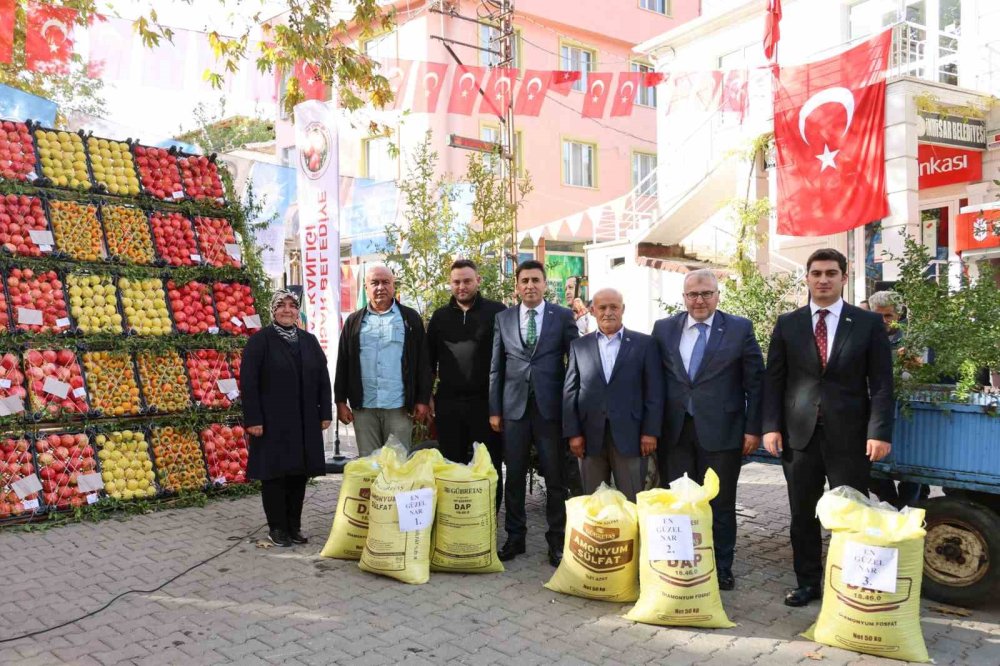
961 327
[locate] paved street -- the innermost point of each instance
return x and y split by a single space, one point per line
267 606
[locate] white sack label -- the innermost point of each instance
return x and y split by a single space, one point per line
62 322
415 509
29 485
29 317
4 383
214 330
11 405
79 392
92 498
29 505
871 567
233 250
252 321
55 387
227 386
669 538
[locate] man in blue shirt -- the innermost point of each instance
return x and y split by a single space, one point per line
383 377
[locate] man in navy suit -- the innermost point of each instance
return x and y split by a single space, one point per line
530 344
613 399
714 371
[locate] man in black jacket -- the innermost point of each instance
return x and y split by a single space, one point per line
828 405
383 377
460 342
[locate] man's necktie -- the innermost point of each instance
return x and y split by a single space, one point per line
532 336
698 353
821 337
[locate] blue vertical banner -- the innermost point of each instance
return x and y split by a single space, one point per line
275 188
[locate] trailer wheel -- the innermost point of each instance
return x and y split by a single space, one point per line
961 551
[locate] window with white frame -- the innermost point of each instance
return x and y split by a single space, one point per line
577 59
489 38
380 47
658 6
579 167
647 95
380 163
644 172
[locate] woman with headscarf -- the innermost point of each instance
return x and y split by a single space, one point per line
287 405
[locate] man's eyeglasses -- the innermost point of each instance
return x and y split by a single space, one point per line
695 295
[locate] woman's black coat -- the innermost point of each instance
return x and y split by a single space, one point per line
289 407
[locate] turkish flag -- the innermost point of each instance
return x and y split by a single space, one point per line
598 89
531 95
829 130
654 79
397 72
430 82
563 80
7 8
628 86
499 91
734 92
465 84
701 90
110 54
772 28
48 40
310 81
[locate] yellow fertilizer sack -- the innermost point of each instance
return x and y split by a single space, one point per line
465 523
350 523
400 519
602 542
677 578
874 567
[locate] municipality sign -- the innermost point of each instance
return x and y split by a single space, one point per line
951 130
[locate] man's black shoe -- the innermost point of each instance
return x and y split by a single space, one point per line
510 550
279 538
801 596
298 538
555 556
726 580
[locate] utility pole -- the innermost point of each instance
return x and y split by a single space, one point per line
498 15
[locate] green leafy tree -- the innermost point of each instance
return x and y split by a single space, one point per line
421 250
215 133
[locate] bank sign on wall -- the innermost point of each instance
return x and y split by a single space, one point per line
942 165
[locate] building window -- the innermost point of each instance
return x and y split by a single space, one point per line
491 133
658 6
288 156
579 167
647 94
380 164
489 38
380 47
577 59
644 172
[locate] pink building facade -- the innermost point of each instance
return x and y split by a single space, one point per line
574 163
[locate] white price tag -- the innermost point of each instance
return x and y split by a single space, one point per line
179 194
29 317
79 392
227 386
29 505
29 485
88 483
62 322
220 200
220 481
233 250
214 330
415 509
871 567
55 387
4 383
195 257
45 248
92 498
32 176
11 405
669 538
232 395
236 321
41 237
252 321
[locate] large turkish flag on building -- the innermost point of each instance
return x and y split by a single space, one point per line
829 130
48 38
7 8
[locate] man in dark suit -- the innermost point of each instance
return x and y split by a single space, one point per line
530 344
714 372
613 400
828 405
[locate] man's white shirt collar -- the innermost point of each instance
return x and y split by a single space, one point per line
834 309
539 309
691 322
620 334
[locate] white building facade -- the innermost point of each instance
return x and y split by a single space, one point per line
944 76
